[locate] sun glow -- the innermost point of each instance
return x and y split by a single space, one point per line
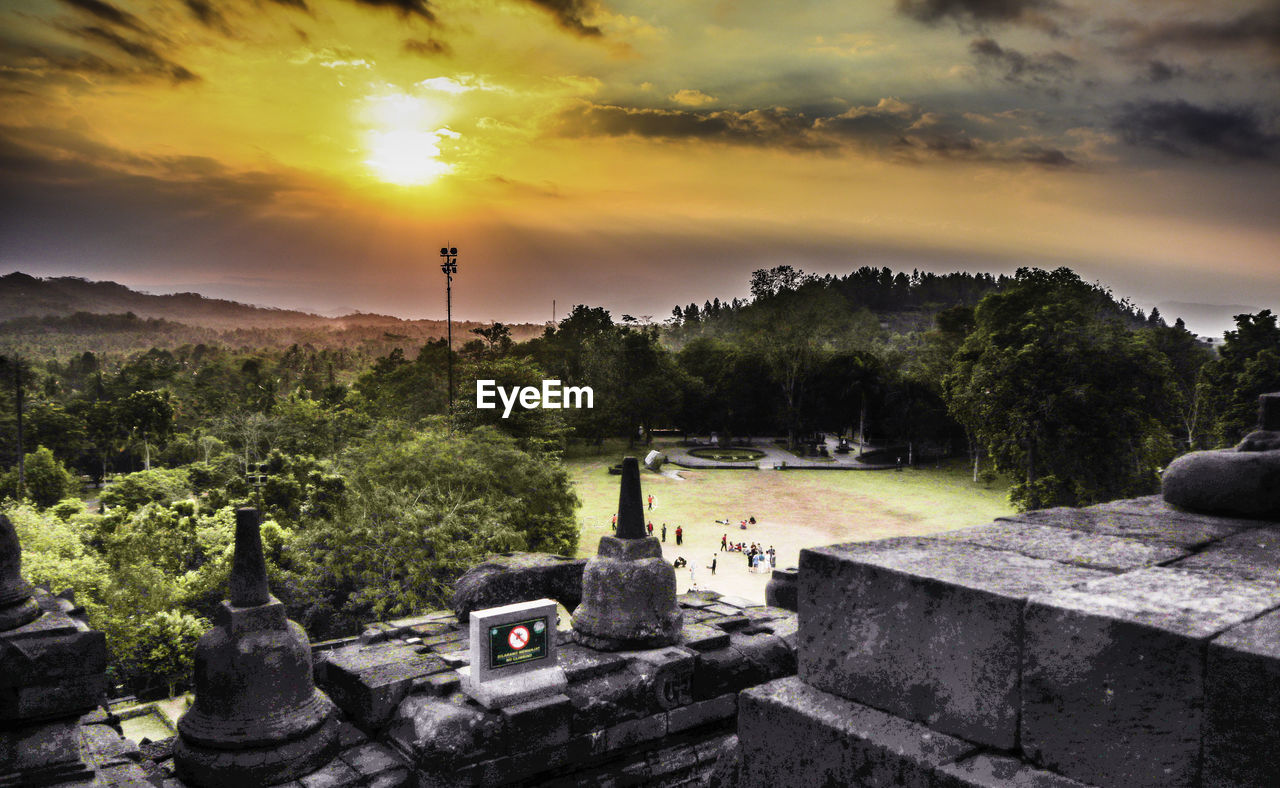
404 144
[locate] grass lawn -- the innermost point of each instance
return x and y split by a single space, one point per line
793 510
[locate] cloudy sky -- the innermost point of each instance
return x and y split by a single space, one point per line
635 154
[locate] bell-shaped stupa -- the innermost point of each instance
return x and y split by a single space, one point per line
17 604
628 589
258 718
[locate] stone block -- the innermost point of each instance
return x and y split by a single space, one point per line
537 724
1067 545
1250 555
796 735
580 663
1114 673
368 685
604 700
780 591
666 673
335 774
372 758
443 734
702 637
1180 529
519 577
439 684
702 712
1242 705
631 732
997 771
928 630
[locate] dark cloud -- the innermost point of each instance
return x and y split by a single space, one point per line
890 129
1160 71
980 12
208 15
300 5
569 14
406 8
1178 128
427 47
108 13
1048 71
1258 27
144 54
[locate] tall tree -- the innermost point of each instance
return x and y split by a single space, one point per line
1055 387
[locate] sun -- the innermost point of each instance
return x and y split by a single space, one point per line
403 144
406 157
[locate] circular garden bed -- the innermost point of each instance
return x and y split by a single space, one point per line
731 454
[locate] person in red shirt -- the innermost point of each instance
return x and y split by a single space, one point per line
679 534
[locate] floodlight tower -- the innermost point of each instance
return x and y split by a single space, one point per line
449 254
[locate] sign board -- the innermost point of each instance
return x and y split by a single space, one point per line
513 653
518 642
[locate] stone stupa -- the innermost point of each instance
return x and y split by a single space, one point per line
628 589
52 671
258 718
1239 482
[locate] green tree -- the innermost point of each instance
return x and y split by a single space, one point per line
166 646
422 507
1248 365
47 480
149 415
1056 388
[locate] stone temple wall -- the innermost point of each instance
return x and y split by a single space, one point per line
1129 644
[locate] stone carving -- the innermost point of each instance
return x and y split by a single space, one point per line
258 718
1243 481
52 671
17 605
628 589
519 577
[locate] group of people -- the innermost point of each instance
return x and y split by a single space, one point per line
757 556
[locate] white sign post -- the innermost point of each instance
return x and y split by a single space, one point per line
513 654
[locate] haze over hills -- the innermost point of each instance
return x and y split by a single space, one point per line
40 313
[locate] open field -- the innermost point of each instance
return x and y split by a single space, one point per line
793 510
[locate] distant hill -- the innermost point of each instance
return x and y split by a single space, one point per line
22 295
35 311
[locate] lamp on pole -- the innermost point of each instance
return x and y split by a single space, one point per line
449 266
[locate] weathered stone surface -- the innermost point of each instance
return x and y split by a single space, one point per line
728 769
666 674
997 771
604 700
1067 545
443 733
1242 713
796 735
926 629
1113 676
17 605
335 774
1179 530
702 712
628 597
1231 482
580 663
703 637
369 693
537 724
519 577
1251 555
257 718
631 732
780 591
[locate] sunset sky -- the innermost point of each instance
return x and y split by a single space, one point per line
317 153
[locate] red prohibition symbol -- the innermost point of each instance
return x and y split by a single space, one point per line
518 637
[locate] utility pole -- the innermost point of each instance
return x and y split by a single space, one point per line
449 254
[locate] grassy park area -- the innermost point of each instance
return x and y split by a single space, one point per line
793 510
